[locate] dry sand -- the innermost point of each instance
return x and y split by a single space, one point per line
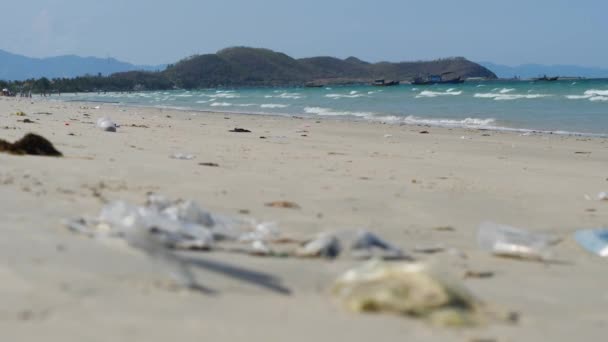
391 179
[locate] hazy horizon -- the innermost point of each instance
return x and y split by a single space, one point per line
147 33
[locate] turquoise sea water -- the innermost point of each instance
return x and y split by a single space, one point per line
579 106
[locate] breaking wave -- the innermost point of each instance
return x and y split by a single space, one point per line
220 104
273 105
509 97
593 95
291 96
429 93
331 112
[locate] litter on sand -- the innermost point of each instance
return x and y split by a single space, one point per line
283 204
106 124
507 241
182 156
415 290
239 130
593 240
31 144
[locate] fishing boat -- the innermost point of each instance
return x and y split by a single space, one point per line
383 83
437 79
313 85
545 78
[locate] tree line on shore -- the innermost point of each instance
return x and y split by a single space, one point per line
242 66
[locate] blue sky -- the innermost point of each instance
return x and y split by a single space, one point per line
152 32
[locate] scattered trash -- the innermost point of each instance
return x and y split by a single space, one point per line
367 245
20 113
27 121
593 240
239 130
602 196
260 248
582 152
431 249
325 245
283 204
31 144
106 124
209 164
478 274
507 241
412 289
424 132
182 156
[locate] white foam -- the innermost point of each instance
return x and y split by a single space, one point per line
506 90
593 95
291 96
331 112
599 99
340 96
224 96
509 97
429 93
273 105
220 104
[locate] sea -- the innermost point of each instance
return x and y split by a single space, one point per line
559 107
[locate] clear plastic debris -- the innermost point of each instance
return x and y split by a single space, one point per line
325 245
507 241
182 156
106 124
366 245
593 240
412 289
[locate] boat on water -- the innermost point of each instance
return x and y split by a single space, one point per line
437 79
545 78
383 83
313 85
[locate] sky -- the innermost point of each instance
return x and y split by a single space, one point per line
154 32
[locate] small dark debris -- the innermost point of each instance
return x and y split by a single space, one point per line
26 121
209 164
445 229
139 126
424 132
283 204
244 211
478 274
262 137
72 134
31 144
591 210
582 152
168 116
239 130
304 135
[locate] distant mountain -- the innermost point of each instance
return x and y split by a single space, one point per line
244 66
535 70
232 67
17 67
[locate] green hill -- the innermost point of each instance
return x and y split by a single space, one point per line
244 66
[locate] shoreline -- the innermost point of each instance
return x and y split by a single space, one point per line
382 120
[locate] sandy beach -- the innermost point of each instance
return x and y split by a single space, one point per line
389 179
